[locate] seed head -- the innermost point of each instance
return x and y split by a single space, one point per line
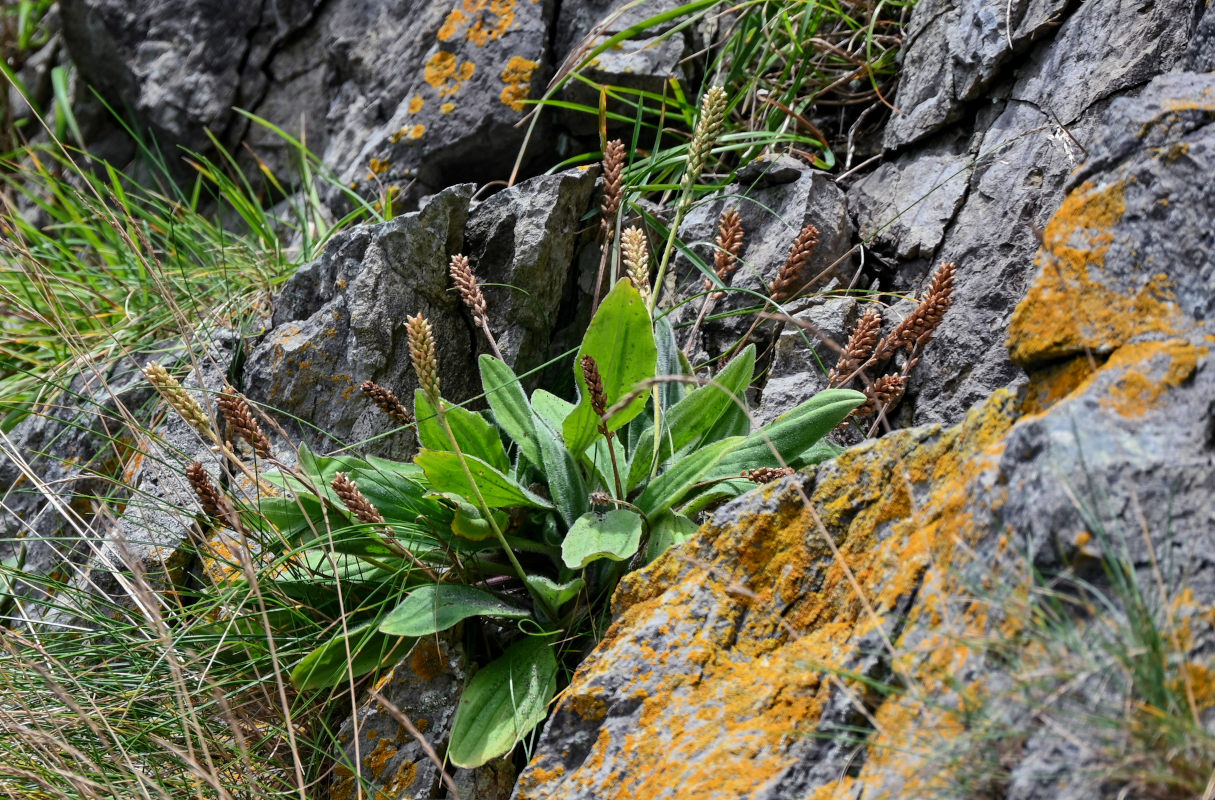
355 501
422 353
881 394
636 260
240 419
177 397
209 498
594 384
789 282
387 401
708 127
729 247
918 328
470 292
613 181
766 474
860 346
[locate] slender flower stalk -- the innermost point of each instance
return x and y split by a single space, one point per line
708 128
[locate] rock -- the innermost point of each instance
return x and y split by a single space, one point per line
949 610
57 460
776 198
523 239
340 320
392 762
802 356
1024 143
387 94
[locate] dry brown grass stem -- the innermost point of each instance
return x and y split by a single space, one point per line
789 282
240 419
387 402
470 292
422 354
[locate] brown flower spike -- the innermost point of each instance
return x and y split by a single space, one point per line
594 384
354 500
729 247
789 282
860 346
917 329
209 497
240 419
613 183
387 401
470 292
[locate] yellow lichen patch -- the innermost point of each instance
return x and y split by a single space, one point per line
406 774
451 25
416 131
1069 309
517 75
377 166
378 758
446 73
415 104
485 21
447 108
1053 382
1136 390
590 708
427 661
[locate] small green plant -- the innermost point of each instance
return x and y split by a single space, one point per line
524 517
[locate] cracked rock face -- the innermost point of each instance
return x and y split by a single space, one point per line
847 632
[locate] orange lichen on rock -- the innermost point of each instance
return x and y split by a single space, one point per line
446 73
1053 382
517 75
1070 309
484 21
1141 384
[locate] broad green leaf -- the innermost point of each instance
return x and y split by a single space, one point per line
621 340
551 408
565 482
511 409
696 414
468 522
615 535
667 531
679 478
792 434
329 664
446 474
503 702
555 594
670 361
437 606
475 435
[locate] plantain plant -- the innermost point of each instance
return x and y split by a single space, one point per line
526 516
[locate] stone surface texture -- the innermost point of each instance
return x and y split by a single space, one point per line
398 97
866 629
